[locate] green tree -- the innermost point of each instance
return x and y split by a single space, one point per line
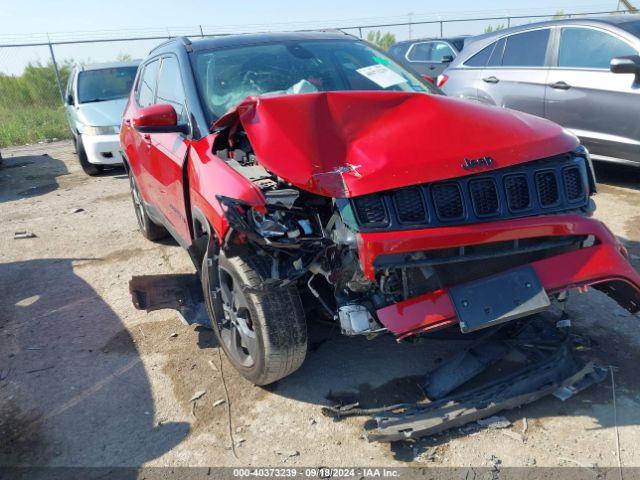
491 28
383 40
123 57
559 14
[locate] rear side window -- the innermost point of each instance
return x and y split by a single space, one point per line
480 59
170 89
420 52
440 50
526 49
589 48
147 86
496 56
430 52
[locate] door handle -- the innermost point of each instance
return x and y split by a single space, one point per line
146 138
490 79
560 85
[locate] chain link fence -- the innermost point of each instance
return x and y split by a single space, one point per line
33 75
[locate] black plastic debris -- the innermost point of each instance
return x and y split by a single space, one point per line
464 366
512 366
560 371
180 292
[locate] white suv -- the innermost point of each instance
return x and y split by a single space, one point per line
95 99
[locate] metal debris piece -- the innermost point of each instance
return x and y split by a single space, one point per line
217 403
23 234
565 392
198 395
76 210
173 335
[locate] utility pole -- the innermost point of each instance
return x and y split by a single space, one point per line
628 5
410 14
55 69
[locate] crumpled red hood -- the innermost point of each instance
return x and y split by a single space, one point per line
344 144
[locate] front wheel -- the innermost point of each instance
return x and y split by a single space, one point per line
149 229
264 335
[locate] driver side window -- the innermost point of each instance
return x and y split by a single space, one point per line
147 86
170 89
590 48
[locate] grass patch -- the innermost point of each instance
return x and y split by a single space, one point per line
31 124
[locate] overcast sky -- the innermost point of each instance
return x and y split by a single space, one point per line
32 20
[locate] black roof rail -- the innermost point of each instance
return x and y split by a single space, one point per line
185 41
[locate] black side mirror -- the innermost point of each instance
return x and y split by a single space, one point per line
628 64
69 99
447 59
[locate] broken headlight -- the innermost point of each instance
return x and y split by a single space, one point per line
272 224
279 223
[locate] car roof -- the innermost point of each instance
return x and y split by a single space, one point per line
101 66
428 39
225 41
608 20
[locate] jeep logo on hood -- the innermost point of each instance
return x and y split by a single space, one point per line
473 163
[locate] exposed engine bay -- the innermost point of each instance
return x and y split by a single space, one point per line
311 240
306 241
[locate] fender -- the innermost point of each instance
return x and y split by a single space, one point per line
208 176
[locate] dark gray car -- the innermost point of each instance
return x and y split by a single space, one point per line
427 56
581 73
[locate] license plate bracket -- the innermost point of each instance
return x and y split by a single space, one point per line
499 298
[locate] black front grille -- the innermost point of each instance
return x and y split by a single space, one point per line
447 199
484 196
547 186
410 205
551 185
370 210
573 184
517 190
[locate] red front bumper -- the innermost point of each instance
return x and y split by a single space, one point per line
604 264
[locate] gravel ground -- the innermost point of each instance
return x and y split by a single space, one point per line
86 380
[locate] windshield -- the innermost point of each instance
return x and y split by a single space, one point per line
105 84
227 76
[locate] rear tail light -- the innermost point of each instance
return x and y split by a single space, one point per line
428 78
442 79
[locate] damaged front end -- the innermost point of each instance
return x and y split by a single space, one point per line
310 247
415 250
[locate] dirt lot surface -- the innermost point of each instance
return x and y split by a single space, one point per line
86 380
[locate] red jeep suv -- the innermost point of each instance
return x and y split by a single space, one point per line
310 173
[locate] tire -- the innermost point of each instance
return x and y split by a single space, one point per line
150 230
276 319
88 167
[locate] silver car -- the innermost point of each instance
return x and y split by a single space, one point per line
95 99
583 74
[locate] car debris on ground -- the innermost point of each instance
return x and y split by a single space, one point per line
513 366
23 234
